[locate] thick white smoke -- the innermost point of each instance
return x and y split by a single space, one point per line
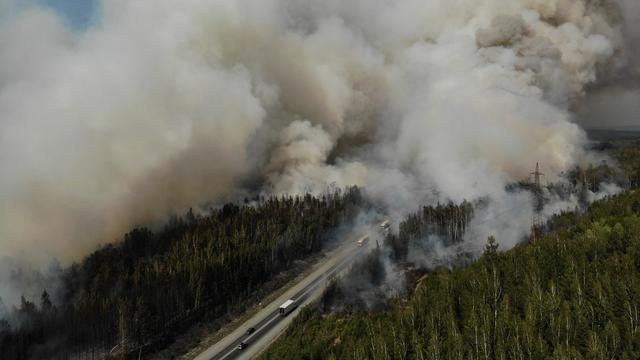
163 105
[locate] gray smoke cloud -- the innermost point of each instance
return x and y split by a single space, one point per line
618 92
163 105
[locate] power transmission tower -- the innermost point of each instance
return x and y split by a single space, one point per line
536 222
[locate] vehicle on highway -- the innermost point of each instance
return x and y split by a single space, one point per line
384 226
243 345
250 330
363 240
287 307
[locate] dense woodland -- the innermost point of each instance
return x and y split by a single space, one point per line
447 222
378 275
570 295
573 294
132 296
627 155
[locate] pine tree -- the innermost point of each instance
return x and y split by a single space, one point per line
4 312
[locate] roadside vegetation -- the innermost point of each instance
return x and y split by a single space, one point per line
133 297
570 295
573 294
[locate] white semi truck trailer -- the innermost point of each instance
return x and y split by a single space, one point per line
363 240
384 226
287 307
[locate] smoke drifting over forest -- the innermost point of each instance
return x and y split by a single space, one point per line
162 105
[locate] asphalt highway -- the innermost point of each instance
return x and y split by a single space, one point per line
268 323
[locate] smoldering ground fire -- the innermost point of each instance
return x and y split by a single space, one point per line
162 105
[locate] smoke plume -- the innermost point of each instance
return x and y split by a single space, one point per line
162 105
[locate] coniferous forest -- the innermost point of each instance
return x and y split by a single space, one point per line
573 294
319 179
132 296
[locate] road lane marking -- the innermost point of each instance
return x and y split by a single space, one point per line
274 317
312 286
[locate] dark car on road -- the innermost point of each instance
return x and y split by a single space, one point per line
250 330
243 345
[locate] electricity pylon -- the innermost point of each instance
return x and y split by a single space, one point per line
536 222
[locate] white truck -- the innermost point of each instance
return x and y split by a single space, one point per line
384 226
287 307
363 240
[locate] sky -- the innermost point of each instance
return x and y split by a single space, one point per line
79 13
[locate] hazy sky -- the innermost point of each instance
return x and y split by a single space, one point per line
79 13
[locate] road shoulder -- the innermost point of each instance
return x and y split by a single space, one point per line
202 336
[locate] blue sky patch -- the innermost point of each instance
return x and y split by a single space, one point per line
79 13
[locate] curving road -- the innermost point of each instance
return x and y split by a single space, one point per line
268 323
